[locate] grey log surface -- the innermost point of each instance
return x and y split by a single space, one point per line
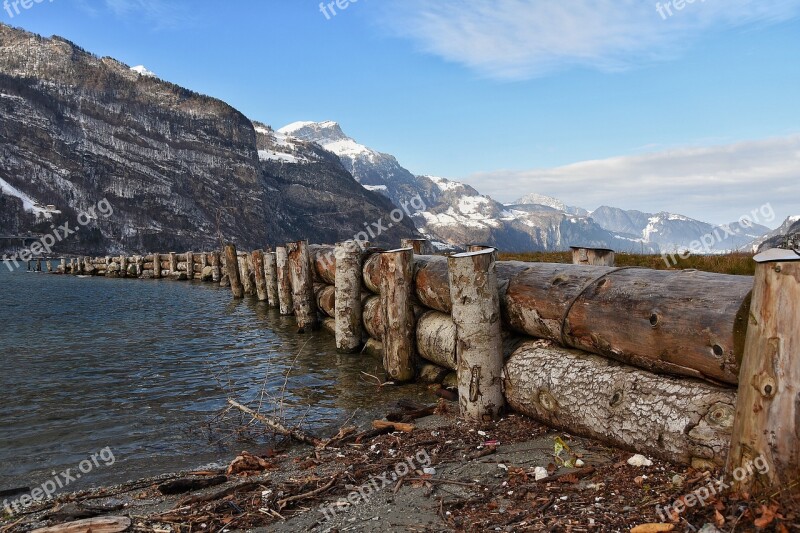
398 314
373 318
436 339
156 266
593 256
326 298
246 274
677 322
768 410
258 271
677 419
232 271
271 277
305 308
479 342
284 281
347 297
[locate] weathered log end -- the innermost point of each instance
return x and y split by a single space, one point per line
593 256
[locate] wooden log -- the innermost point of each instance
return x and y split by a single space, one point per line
271 277
329 324
123 266
326 299
305 308
592 256
398 314
685 322
374 348
373 317
105 524
420 246
324 258
173 263
246 274
258 271
766 430
216 271
479 344
190 265
232 271
436 339
430 280
49 266
478 247
372 274
394 426
676 419
284 281
38 265
347 297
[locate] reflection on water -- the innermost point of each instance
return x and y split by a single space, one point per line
139 365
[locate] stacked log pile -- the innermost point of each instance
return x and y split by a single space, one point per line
643 359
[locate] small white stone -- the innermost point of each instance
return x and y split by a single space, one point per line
501 466
429 470
540 472
579 463
640 460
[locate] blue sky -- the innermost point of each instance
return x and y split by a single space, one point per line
596 102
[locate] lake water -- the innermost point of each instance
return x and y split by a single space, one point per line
144 366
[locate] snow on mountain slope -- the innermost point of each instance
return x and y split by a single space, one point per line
549 201
142 71
280 147
777 237
28 203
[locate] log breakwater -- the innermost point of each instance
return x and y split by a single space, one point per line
642 359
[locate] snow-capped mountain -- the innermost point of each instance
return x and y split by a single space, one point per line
142 71
675 233
549 201
777 238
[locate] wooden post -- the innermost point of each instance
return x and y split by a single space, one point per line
173 263
397 276
479 344
592 256
190 266
271 277
216 273
284 281
232 270
156 265
348 309
245 274
305 308
49 265
63 265
258 270
123 266
765 446
39 265
479 247
420 246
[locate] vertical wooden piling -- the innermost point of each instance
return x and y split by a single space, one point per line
232 270
216 273
38 265
190 266
258 270
420 246
173 263
284 281
764 457
305 308
246 274
271 278
479 343
396 287
348 311
49 265
156 265
123 266
592 256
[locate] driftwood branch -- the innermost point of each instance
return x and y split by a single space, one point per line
277 427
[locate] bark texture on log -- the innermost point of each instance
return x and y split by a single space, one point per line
436 339
373 317
347 297
420 246
767 425
676 419
324 258
326 299
305 308
216 271
156 266
246 274
258 271
398 314
232 271
372 274
374 348
479 343
284 281
271 275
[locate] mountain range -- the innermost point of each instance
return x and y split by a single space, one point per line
186 171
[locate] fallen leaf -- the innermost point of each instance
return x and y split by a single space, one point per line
719 519
766 518
652 528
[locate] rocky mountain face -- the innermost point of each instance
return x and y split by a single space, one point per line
780 237
674 233
181 170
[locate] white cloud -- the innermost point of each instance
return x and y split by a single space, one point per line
713 183
519 39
